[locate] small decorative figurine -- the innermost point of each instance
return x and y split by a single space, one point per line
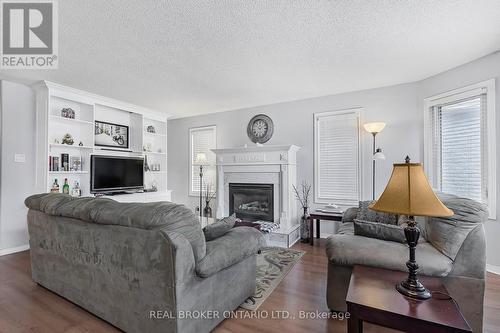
67 139
68 113
80 144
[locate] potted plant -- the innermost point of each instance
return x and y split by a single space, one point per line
303 197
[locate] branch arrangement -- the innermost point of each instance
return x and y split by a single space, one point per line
209 193
304 194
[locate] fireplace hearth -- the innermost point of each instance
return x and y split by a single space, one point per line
252 202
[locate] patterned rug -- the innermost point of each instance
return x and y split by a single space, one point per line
273 264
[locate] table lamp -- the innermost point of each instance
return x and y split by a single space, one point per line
201 160
374 129
409 193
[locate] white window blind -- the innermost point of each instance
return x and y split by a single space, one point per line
460 135
202 140
460 148
337 171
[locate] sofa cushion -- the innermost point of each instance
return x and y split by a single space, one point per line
381 231
447 234
154 215
229 249
366 214
349 250
219 228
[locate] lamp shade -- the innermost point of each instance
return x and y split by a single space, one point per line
379 155
201 159
409 193
376 127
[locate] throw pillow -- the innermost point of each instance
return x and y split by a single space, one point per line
378 230
219 228
366 214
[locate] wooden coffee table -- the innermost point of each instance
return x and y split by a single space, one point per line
372 297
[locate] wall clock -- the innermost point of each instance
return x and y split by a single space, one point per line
260 128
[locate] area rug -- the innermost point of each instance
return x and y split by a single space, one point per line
273 264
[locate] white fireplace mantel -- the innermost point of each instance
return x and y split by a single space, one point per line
275 165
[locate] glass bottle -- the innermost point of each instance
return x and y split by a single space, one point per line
66 186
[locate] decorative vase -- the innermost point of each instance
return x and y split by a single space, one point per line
305 233
207 211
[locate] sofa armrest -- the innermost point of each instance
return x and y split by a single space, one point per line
182 256
350 214
236 245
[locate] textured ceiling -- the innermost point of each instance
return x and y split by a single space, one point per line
192 57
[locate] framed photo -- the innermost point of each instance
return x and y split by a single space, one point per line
111 135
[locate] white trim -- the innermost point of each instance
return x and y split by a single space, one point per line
86 97
190 163
357 111
458 94
11 250
493 269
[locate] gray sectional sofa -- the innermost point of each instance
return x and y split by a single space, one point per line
143 267
453 249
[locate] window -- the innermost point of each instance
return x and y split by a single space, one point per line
202 140
460 151
337 157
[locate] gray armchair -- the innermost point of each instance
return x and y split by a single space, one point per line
139 266
453 249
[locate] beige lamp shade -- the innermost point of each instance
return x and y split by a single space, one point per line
201 159
409 193
375 127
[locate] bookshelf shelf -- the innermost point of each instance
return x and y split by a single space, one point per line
70 120
68 172
60 145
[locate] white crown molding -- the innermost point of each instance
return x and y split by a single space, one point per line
102 100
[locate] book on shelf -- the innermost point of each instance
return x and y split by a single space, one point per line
53 163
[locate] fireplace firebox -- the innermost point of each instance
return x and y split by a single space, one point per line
252 202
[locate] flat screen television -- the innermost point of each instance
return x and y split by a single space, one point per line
112 174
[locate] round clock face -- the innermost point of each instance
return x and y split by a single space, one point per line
260 128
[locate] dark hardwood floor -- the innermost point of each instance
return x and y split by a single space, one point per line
27 307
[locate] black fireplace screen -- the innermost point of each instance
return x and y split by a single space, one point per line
252 202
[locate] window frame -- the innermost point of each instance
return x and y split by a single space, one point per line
456 95
192 130
341 202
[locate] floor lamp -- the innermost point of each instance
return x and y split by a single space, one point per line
374 129
201 160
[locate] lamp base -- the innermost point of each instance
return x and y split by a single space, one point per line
413 289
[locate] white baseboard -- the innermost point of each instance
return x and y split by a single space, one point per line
14 249
493 269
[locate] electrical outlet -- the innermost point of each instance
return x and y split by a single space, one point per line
19 158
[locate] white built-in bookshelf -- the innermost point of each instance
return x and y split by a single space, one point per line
89 108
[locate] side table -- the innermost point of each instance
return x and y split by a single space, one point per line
318 216
372 297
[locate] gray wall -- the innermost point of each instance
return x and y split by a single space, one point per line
476 71
17 179
396 105
401 107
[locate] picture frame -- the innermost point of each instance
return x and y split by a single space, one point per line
111 135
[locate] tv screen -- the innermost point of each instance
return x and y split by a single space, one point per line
115 174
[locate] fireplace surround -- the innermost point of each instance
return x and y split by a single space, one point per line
257 165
